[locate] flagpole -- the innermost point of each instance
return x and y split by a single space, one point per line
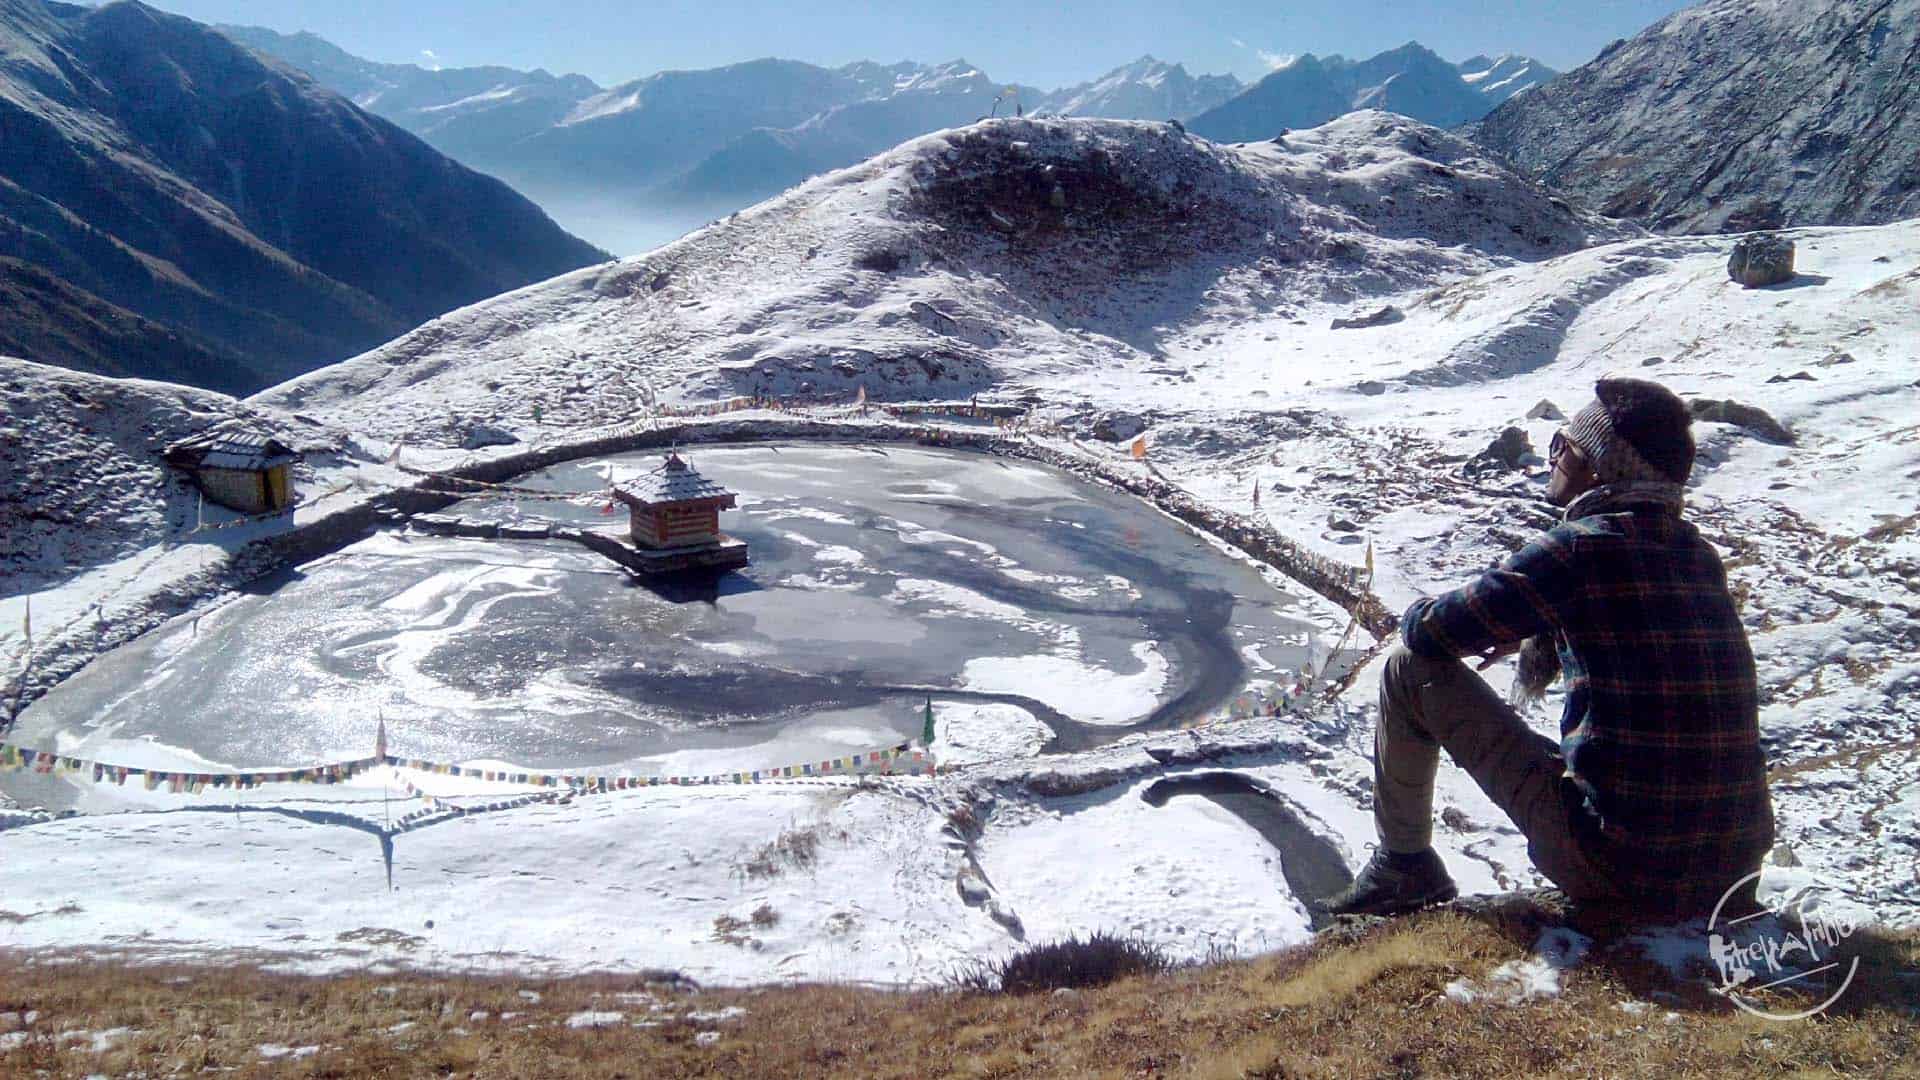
386 782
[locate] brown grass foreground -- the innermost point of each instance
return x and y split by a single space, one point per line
1370 1005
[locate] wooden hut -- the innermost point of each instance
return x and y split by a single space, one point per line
674 519
245 470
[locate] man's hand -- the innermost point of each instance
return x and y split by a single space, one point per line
1497 653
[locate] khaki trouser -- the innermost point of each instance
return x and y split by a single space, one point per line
1429 704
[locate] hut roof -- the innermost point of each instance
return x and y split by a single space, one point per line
230 448
674 481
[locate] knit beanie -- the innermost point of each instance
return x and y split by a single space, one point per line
1634 430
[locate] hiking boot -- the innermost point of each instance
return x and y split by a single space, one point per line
1392 883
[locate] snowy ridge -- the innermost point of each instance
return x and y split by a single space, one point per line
945 267
1147 89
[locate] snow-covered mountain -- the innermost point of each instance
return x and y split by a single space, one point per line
767 161
1736 114
1310 90
683 147
963 260
468 114
1147 89
1498 78
261 225
638 135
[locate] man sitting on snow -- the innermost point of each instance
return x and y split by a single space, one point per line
1654 801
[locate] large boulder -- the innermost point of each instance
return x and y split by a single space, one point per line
1118 426
1760 260
480 436
1748 417
1378 317
1503 454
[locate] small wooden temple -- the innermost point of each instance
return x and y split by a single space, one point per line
245 470
675 520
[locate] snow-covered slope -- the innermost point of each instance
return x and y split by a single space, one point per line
1736 114
81 479
1821 538
965 260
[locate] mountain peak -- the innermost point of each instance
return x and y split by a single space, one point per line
1410 80
1412 51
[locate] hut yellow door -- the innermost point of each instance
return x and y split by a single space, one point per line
277 488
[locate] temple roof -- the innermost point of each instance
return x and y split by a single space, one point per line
230 447
674 481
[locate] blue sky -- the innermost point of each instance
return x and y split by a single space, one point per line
1039 44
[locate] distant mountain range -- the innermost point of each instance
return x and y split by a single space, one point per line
689 145
1736 114
172 206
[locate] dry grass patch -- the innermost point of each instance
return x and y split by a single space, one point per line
797 848
1369 1004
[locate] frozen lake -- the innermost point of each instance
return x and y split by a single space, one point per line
1039 612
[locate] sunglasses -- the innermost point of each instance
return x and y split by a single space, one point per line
1558 447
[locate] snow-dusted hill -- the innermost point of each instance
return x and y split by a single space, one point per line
963 261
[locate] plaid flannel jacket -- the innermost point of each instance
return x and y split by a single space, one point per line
1661 729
